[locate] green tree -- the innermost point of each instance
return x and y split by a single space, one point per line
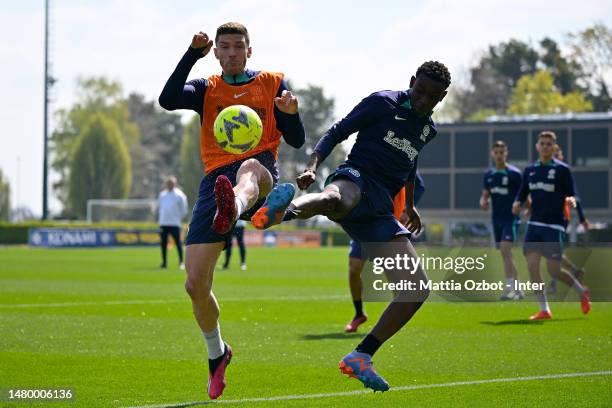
100 166
157 153
5 198
537 94
592 49
93 95
566 72
191 168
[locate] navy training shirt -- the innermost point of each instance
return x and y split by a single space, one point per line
389 139
548 184
503 186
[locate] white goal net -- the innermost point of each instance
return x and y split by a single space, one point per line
138 210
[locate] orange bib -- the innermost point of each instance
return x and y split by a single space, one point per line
258 95
399 203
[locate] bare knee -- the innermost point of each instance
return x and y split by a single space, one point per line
332 200
198 287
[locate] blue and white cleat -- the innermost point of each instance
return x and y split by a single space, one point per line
273 209
359 365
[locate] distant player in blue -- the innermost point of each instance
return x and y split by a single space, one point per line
393 127
550 183
357 259
500 185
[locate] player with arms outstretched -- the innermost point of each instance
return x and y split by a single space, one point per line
393 127
234 185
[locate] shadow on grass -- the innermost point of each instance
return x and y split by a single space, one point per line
333 336
527 321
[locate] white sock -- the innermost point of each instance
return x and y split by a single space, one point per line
215 345
510 283
240 205
541 296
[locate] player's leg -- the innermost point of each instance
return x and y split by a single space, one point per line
335 202
201 260
355 267
239 234
175 232
253 181
533 266
571 267
164 246
228 251
399 312
510 293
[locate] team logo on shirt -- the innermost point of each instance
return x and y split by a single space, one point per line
551 174
401 144
425 132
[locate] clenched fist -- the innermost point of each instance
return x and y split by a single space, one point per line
201 40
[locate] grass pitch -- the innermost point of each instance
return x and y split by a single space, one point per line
119 332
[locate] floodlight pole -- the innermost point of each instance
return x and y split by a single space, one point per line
45 204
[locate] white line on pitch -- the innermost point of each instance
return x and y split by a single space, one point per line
163 301
359 392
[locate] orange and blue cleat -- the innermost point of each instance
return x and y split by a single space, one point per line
226 206
541 315
273 209
359 365
216 380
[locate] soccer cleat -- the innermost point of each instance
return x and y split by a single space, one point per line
243 267
541 315
182 266
226 206
273 210
352 326
359 365
512 295
216 380
585 301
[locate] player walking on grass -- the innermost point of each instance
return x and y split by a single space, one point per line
501 183
234 186
549 182
393 127
357 260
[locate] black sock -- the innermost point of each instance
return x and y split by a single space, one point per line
290 213
358 308
213 364
369 345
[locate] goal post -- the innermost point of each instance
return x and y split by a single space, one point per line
137 210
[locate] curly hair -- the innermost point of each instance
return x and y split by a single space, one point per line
435 70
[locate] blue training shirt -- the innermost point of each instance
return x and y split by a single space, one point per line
548 184
389 139
503 186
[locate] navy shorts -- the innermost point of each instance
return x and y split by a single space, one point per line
200 231
372 218
504 230
355 249
547 241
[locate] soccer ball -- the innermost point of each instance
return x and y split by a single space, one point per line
237 129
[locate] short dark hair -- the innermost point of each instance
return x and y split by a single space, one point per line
435 70
499 143
549 134
232 28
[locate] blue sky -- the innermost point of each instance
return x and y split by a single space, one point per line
351 48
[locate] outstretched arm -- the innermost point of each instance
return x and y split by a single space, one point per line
177 94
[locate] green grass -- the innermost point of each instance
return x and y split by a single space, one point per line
116 355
